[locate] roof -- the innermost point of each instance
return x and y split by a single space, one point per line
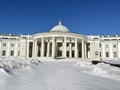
59 28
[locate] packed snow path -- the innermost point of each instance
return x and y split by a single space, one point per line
58 76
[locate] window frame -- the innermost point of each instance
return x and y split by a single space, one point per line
4 53
107 54
12 53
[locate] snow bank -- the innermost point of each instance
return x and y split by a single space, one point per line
57 76
8 64
3 77
3 73
101 69
17 63
105 69
83 63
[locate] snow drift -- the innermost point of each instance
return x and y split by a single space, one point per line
101 69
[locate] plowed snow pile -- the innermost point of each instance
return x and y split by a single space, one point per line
57 74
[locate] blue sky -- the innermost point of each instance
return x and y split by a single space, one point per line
96 17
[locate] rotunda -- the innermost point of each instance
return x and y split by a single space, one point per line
58 43
59 28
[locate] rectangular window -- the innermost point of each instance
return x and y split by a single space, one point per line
67 44
12 45
73 44
114 54
3 53
100 54
114 46
4 44
96 52
18 53
106 46
100 45
12 53
107 54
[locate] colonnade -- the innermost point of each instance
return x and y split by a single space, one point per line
48 47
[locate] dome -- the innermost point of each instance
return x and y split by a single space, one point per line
59 28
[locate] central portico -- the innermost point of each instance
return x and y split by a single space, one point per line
58 43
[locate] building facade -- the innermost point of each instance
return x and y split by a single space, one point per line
59 42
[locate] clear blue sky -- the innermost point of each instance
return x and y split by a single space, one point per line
97 17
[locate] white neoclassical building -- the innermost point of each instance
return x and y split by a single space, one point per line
59 42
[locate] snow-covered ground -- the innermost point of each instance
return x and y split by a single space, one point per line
48 74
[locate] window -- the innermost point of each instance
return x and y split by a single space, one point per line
3 53
99 45
18 53
96 52
73 44
106 46
4 44
67 44
100 54
12 45
12 53
114 46
114 54
107 54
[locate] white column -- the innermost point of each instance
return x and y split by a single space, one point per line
0 50
8 50
118 49
76 48
27 49
33 49
16 50
64 47
111 53
103 51
70 49
83 48
48 49
42 47
37 50
53 47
